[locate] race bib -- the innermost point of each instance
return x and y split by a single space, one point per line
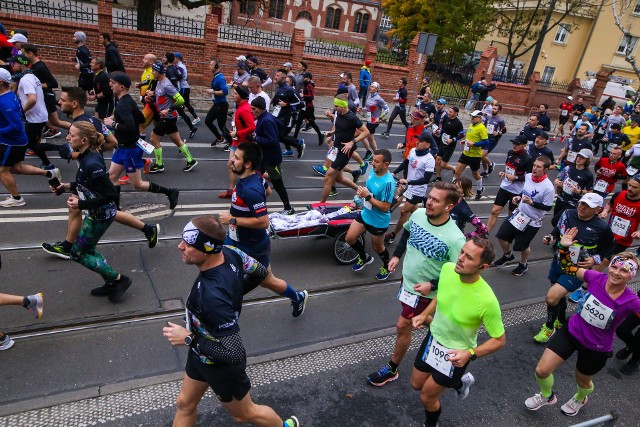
233 232
508 170
445 138
571 156
568 185
331 155
595 313
438 357
611 146
490 128
631 170
407 298
564 112
601 186
276 111
575 118
519 220
620 226
601 131
145 146
466 147
369 118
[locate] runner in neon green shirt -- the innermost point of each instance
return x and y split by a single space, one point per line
475 139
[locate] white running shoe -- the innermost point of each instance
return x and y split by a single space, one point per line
537 401
572 407
10 202
7 343
467 380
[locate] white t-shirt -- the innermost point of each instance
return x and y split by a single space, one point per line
418 165
540 192
30 84
264 95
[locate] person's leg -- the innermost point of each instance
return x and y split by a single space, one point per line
24 169
493 217
356 229
430 399
183 114
298 126
190 396
524 255
556 304
329 180
346 182
547 365
392 117
246 411
157 152
8 181
115 170
405 212
221 116
458 170
209 121
377 242
403 117
84 249
505 246
278 185
187 102
8 299
403 339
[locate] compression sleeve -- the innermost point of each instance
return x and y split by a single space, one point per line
402 244
426 178
402 166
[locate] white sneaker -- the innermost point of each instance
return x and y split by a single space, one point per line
7 343
10 202
56 173
572 407
467 380
537 401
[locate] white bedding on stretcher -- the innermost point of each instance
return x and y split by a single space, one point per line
312 218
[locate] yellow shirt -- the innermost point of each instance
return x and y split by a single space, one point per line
476 133
633 134
147 75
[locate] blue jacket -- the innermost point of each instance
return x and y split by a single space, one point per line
365 77
219 83
268 138
11 128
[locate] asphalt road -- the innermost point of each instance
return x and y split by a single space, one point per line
84 348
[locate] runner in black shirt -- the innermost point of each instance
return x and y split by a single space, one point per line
285 108
101 92
174 75
83 61
254 70
400 108
450 130
573 182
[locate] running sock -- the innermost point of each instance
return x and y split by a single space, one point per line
359 247
25 302
325 168
552 315
158 153
362 164
479 185
155 188
118 189
582 393
432 417
384 256
546 386
142 135
185 151
368 153
49 174
147 229
394 366
17 197
291 293
561 310
66 245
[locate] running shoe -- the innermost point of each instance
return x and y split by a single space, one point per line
384 375
320 170
36 304
152 237
48 167
124 180
368 157
120 288
630 368
544 334
389 237
190 165
301 148
479 193
57 249
333 192
104 290
7 343
364 168
196 121
287 153
577 295
484 174
226 194
385 134
356 174
503 260
51 133
360 263
623 353
520 269
562 139
299 306
227 148
173 198
192 132
147 166
292 421
573 406
55 172
467 380
553 138
492 166
537 401
216 142
288 211
383 274
10 202
156 168
307 128
557 324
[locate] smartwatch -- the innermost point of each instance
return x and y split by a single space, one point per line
473 355
368 197
233 221
189 339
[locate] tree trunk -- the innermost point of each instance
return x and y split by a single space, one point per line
512 60
146 12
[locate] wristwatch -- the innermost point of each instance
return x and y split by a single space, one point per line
368 197
233 221
188 339
473 355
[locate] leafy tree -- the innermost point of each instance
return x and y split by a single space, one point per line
620 9
459 25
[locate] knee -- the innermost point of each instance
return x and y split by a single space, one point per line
403 326
185 405
542 372
552 299
496 209
416 384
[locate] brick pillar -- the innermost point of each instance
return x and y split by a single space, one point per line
574 87
414 69
487 65
534 81
370 51
105 16
602 78
211 37
297 45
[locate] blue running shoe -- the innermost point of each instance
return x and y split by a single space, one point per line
320 170
287 153
576 295
360 263
383 274
364 168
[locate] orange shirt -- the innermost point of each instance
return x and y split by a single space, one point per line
411 139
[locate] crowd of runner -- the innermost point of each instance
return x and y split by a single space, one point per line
594 209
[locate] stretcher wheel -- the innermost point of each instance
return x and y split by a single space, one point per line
342 251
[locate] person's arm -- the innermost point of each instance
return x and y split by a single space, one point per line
267 82
126 120
564 256
402 167
401 247
249 125
102 186
425 179
30 103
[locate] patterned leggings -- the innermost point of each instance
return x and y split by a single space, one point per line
84 249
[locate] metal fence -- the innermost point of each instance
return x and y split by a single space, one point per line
450 77
187 27
66 10
393 57
333 50
557 86
254 36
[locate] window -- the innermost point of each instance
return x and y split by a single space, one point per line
333 18
361 23
304 15
385 23
248 7
276 9
622 48
562 34
636 9
547 74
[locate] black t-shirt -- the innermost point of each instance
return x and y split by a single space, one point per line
594 234
462 214
260 73
128 116
346 125
42 72
571 177
530 133
544 121
101 86
451 127
535 152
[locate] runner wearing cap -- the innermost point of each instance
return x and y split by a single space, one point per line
240 75
590 332
565 110
254 70
83 61
375 109
594 243
364 79
572 182
496 126
614 138
167 99
539 147
522 225
287 66
451 131
475 139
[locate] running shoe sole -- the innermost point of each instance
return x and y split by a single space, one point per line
120 289
154 240
190 166
58 254
388 380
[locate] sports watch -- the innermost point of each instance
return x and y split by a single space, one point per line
189 339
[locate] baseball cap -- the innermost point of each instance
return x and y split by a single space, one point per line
417 114
17 37
158 67
543 135
586 153
21 59
287 64
240 64
121 78
242 91
490 99
593 200
441 101
178 55
5 76
570 98
519 140
426 136
253 59
476 113
307 75
376 85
